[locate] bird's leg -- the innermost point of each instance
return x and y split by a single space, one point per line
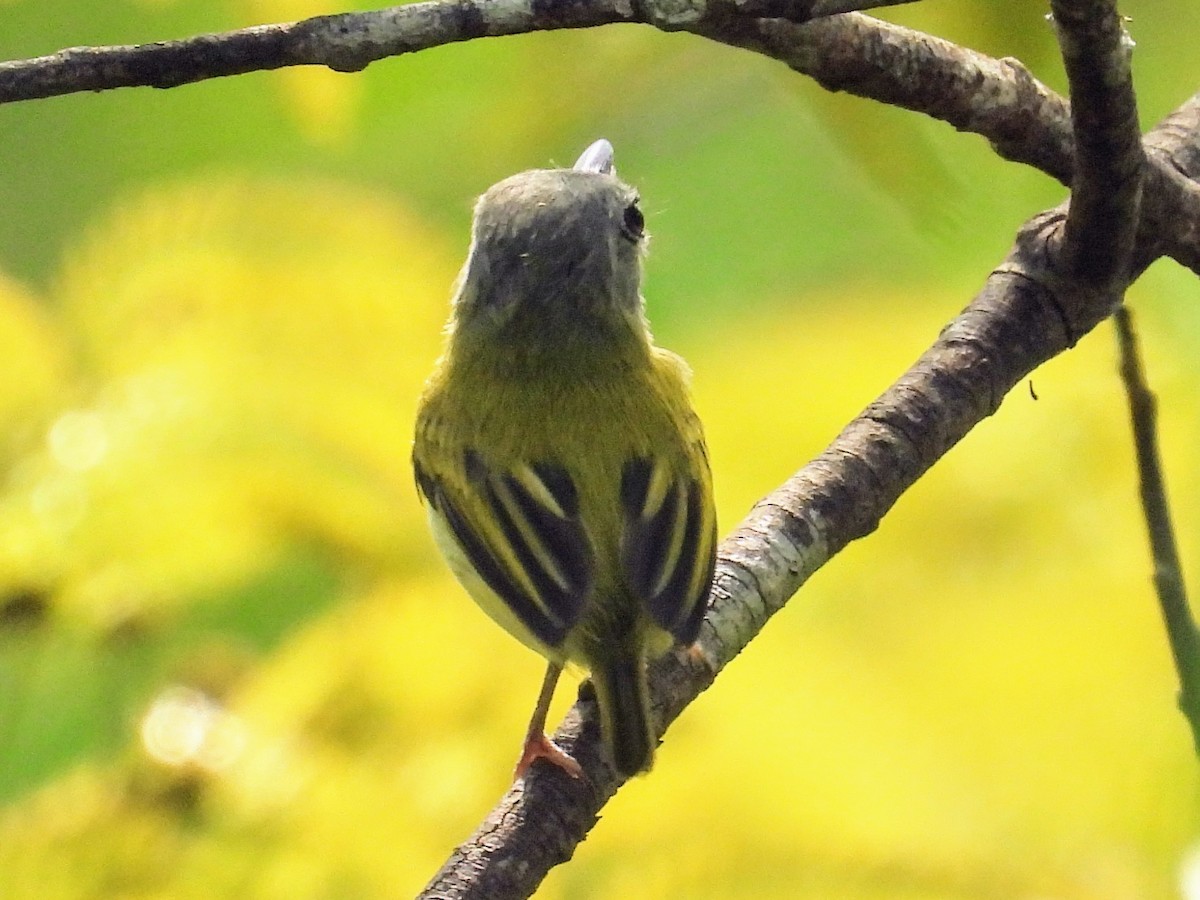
537 745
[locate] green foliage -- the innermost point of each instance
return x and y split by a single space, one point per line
230 661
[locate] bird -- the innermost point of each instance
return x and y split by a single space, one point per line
563 468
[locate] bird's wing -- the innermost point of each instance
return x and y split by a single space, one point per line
668 542
524 538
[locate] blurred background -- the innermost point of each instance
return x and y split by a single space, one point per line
231 664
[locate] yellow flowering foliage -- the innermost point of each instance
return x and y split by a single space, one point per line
246 361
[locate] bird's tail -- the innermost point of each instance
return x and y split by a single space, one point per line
624 712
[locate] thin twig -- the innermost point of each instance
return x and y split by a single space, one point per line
1168 574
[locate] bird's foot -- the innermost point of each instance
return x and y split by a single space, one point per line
538 746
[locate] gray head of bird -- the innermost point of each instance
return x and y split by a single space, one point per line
555 243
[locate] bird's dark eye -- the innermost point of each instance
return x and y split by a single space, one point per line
633 224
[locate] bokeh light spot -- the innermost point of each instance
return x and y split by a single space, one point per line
1189 873
78 440
185 726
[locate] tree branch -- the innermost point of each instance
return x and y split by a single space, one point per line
1107 184
1171 224
349 42
1178 138
794 10
1023 119
999 99
1182 634
346 43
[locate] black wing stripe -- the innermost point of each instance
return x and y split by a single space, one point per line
648 538
650 541
563 538
668 548
558 482
670 607
473 464
426 487
689 628
557 601
675 537
635 484
496 578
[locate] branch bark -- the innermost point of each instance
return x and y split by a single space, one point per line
349 42
1024 120
345 43
1107 185
1000 100
1173 152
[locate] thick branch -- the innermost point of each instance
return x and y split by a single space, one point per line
349 42
346 42
1023 119
795 10
1171 223
1106 189
1178 138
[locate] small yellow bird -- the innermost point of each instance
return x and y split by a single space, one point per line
564 471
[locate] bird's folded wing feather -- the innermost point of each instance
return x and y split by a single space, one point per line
524 538
668 543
